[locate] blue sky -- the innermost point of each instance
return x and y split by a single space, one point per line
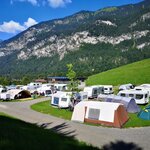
18 15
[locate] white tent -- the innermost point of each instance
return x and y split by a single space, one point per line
111 114
17 94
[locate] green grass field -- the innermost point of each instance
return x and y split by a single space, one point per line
45 107
19 135
135 73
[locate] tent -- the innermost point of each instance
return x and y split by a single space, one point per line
145 113
18 94
128 102
110 114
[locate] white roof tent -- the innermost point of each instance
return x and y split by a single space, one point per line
141 97
110 114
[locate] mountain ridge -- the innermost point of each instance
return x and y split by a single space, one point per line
120 28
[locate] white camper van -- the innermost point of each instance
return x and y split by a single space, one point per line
61 99
93 91
108 89
141 97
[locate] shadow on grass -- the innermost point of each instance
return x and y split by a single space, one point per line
62 129
121 145
19 135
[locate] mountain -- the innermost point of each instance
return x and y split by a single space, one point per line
92 41
135 73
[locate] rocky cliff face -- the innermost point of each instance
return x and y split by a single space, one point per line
112 25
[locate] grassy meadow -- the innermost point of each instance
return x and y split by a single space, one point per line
135 73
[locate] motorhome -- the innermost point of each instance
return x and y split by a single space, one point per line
108 89
61 99
93 91
141 97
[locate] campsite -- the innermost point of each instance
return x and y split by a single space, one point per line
74 75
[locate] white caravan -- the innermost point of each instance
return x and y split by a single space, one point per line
141 97
81 96
143 88
60 87
45 91
34 85
126 87
93 91
108 89
61 99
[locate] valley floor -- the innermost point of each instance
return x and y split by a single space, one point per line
97 136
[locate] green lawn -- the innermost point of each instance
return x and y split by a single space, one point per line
19 135
45 107
135 73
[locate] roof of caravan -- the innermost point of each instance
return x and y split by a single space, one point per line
132 91
108 85
60 84
60 93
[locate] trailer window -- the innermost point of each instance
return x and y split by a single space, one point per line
131 95
138 96
85 97
48 92
138 89
95 91
64 99
146 95
93 114
105 89
56 100
123 95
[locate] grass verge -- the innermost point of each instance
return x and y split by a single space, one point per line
19 135
45 107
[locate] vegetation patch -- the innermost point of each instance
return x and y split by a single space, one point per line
45 107
135 73
109 9
19 135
